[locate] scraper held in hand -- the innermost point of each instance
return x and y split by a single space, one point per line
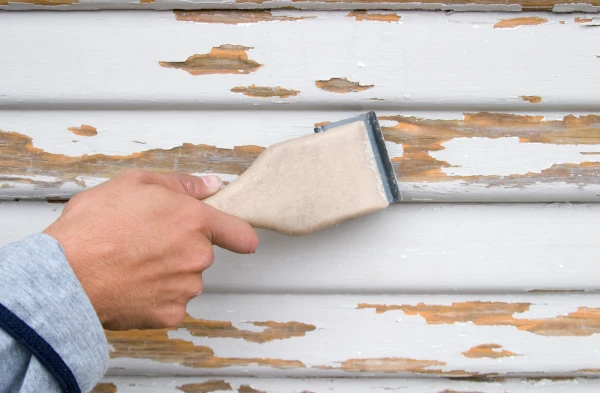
316 181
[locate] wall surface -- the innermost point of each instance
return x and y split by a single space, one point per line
485 277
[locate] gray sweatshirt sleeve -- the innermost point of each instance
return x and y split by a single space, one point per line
39 287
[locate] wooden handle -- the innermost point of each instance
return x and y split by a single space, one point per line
307 184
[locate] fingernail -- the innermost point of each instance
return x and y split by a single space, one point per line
212 182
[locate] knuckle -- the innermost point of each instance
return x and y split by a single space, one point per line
208 257
186 183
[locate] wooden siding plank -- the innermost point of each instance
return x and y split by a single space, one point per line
437 156
370 335
177 384
410 248
162 60
448 5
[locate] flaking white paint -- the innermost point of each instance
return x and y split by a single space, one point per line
91 70
507 156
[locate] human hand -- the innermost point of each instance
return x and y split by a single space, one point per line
139 243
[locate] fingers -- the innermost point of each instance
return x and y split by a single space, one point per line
198 187
229 232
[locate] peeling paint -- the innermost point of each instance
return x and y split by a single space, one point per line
582 20
421 137
104 388
421 160
532 99
516 22
272 330
224 59
488 350
205 387
84 130
265 92
375 17
20 159
234 17
396 365
583 322
156 345
341 85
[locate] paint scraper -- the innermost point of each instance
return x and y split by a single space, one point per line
315 181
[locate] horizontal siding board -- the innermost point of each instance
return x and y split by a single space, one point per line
176 384
437 156
454 5
539 55
410 248
348 335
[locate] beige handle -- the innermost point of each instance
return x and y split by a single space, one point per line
308 183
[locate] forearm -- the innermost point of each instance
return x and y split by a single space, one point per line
40 292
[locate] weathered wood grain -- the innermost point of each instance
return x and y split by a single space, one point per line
455 5
447 156
192 60
538 249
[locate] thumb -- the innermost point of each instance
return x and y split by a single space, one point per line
198 187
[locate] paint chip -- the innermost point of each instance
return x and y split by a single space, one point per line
264 91
532 99
341 85
224 59
374 17
582 20
205 387
516 22
488 350
84 130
